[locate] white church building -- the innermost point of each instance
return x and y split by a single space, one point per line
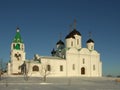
69 59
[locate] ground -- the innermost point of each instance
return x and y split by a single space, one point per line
72 83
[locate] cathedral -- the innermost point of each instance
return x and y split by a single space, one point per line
68 59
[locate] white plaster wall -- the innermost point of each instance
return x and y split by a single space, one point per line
78 46
73 56
16 63
68 42
30 69
55 66
100 68
90 46
72 59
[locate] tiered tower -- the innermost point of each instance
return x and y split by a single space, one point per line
17 53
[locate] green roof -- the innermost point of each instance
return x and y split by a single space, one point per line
17 38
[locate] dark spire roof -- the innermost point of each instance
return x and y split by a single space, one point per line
90 40
72 33
60 42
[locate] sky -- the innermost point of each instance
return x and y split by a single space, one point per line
42 21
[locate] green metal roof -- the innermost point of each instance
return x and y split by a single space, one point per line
17 38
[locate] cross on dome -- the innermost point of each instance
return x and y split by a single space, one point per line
75 23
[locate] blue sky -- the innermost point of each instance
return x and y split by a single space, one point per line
42 21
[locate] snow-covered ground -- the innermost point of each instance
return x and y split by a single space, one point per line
81 83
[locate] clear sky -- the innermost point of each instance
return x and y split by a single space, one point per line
42 21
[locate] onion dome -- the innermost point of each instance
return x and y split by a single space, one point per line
53 52
69 36
72 33
60 42
89 41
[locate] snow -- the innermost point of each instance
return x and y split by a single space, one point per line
71 83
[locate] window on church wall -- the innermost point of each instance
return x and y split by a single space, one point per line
83 61
71 43
91 47
93 67
13 46
35 68
18 67
73 67
17 46
61 67
48 67
77 41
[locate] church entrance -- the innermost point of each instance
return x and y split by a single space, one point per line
82 71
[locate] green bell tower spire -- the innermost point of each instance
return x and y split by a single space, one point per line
17 38
17 41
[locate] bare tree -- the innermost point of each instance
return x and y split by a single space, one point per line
46 70
1 68
24 70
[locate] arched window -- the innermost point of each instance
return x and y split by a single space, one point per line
92 47
17 46
48 67
93 67
13 46
73 67
61 67
77 41
71 43
82 71
83 61
35 68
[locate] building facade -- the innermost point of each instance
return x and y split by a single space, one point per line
69 59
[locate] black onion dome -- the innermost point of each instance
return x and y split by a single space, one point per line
90 40
72 33
75 32
60 42
70 36
53 52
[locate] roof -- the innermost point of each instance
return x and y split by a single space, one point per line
72 33
51 57
17 38
60 42
33 61
89 41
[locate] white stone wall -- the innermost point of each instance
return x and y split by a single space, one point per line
55 66
69 41
72 65
16 62
84 62
78 42
30 69
90 46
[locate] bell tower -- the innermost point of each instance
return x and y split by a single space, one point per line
17 54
